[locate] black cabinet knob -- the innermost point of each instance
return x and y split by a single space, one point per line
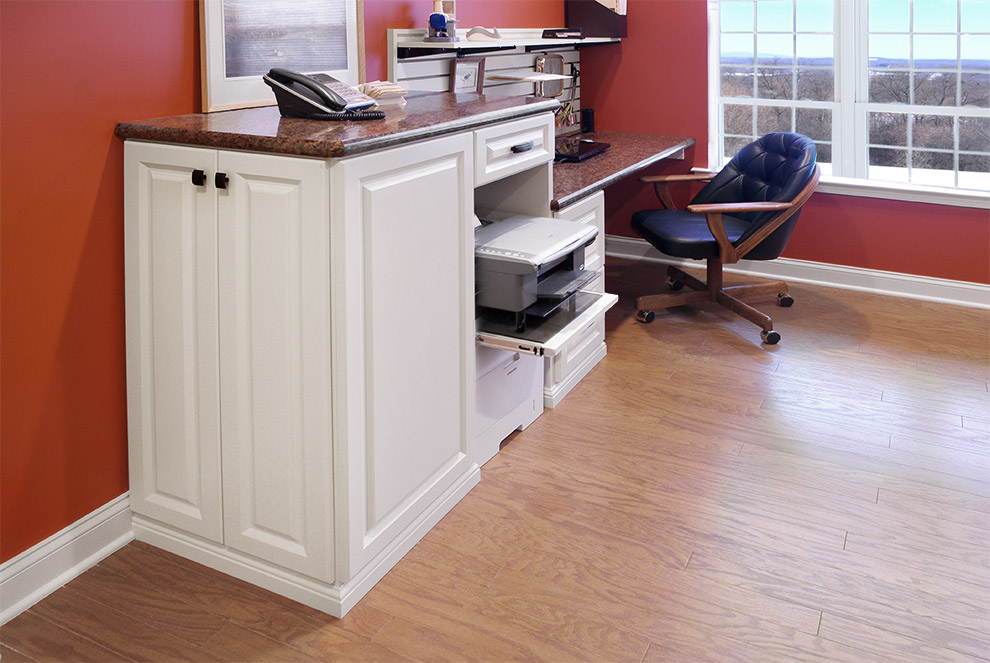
522 147
199 177
221 180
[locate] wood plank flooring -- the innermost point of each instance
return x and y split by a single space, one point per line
698 497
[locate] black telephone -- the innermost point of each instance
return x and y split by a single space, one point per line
319 97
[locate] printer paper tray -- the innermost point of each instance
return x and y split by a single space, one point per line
551 335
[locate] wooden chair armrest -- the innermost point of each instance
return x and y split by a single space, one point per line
688 177
660 183
726 252
730 208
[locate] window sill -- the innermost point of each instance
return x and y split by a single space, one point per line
847 186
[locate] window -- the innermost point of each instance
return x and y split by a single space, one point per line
890 90
243 39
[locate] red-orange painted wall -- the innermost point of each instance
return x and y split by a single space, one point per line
71 69
656 81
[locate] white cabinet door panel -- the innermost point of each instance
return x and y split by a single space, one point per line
275 360
171 299
405 268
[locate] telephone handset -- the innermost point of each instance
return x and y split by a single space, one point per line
319 97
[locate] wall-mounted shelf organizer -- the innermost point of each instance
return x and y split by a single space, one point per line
510 64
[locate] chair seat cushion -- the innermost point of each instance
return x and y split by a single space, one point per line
683 234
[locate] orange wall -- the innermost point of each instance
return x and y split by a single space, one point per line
656 81
70 71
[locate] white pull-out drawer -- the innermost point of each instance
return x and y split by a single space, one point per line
553 334
511 147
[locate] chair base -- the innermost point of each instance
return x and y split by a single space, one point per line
714 291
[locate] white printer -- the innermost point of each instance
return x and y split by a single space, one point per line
528 266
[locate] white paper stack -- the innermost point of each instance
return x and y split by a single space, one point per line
385 93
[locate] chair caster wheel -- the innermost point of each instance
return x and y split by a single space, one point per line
674 284
770 337
645 316
783 299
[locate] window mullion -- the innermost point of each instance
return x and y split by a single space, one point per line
850 153
714 86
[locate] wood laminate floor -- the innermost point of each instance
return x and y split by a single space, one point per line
698 497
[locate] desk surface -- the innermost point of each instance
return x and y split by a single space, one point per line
425 115
629 152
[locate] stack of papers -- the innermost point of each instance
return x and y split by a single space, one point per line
385 93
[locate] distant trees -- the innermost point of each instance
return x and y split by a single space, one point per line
774 79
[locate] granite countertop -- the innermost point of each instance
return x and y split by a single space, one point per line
425 115
629 153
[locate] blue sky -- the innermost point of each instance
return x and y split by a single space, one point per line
935 20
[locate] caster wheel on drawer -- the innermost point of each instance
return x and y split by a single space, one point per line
674 284
645 316
783 299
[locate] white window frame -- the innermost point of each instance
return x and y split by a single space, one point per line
849 121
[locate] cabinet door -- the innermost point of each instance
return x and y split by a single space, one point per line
275 360
403 334
171 304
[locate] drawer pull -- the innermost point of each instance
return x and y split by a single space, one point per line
523 147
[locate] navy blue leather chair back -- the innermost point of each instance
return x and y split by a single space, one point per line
774 168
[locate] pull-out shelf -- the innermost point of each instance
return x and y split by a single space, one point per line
546 337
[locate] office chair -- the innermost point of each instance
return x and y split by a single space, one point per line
747 210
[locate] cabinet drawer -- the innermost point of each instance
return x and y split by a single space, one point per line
584 342
591 211
508 380
511 147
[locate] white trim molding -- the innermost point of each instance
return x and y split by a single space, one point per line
47 566
914 193
946 291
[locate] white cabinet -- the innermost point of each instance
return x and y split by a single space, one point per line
404 333
275 395
302 347
300 358
228 350
173 369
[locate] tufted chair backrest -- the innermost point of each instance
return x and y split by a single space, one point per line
774 168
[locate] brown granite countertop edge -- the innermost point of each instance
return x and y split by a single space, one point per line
572 197
319 148
231 141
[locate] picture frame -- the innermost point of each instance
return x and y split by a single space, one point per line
467 75
240 40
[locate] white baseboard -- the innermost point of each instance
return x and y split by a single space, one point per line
335 600
946 291
40 570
